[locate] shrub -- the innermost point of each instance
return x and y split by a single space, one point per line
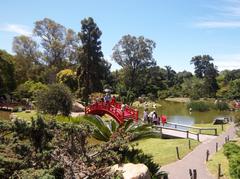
163 94
222 106
232 151
198 106
29 89
57 98
68 78
234 166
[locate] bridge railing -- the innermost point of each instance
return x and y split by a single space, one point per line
115 109
179 130
199 129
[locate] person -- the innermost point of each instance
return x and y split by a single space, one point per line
164 119
113 101
154 118
150 116
145 115
123 106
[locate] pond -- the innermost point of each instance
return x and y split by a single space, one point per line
178 113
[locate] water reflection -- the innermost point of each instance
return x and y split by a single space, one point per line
178 113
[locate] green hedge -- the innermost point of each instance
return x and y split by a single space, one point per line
232 151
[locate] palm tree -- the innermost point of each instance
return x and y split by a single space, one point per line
104 130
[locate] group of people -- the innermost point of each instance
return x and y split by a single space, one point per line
153 118
108 99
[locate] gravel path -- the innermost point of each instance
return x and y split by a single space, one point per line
197 158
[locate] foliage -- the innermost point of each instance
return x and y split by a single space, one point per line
198 106
193 87
221 105
206 70
29 89
57 98
59 46
232 151
104 131
163 94
92 68
69 78
27 59
134 54
234 90
7 76
66 155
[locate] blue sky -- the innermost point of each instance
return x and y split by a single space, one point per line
180 28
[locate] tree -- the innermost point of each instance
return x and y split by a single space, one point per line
210 81
27 60
201 63
170 76
134 54
234 90
92 66
29 89
59 45
7 77
57 98
207 71
154 80
67 77
193 87
181 76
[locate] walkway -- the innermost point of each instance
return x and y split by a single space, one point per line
197 158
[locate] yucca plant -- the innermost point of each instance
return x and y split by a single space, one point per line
105 130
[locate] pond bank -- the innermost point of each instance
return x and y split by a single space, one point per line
179 100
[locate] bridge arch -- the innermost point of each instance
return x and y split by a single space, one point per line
114 110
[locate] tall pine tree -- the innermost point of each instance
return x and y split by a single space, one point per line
92 66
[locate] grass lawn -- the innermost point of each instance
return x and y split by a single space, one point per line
26 116
60 118
219 158
211 132
164 150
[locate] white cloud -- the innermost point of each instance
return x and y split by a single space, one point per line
227 62
218 24
16 28
224 14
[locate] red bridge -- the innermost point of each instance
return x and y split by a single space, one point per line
119 113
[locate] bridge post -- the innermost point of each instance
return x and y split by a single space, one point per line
187 134
215 132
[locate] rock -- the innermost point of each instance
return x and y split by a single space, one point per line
132 171
77 107
28 111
